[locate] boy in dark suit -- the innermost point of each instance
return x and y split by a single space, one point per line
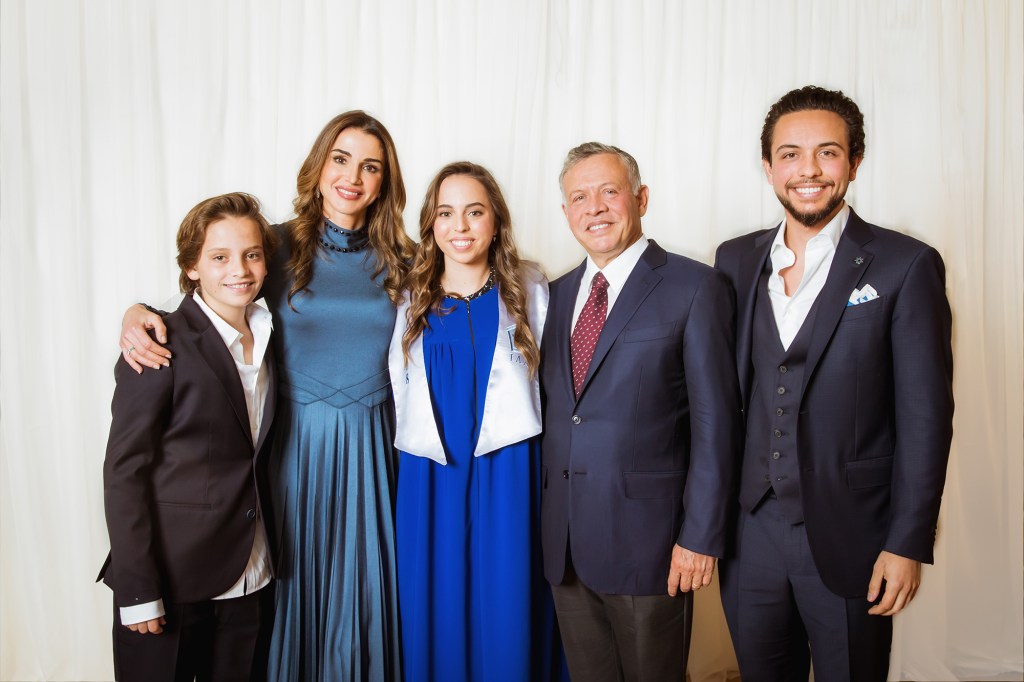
189 559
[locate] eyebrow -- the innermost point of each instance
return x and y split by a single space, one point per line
216 249
349 154
830 143
475 203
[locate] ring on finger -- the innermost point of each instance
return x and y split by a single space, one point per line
129 351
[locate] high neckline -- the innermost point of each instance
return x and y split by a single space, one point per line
340 239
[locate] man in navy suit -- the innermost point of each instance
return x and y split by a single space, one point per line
845 370
641 424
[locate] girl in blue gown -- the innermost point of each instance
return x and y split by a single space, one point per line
464 357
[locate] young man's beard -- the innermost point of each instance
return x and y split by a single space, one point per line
811 219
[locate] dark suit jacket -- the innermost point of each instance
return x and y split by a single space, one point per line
876 410
645 458
179 477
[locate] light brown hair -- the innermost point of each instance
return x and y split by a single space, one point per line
424 280
384 224
192 232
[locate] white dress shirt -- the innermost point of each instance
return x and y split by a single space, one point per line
616 272
791 311
254 385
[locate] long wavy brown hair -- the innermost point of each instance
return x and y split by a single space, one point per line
384 225
424 279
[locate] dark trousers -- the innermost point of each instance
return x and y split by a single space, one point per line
782 617
617 637
222 640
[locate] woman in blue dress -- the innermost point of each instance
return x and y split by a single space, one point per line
464 357
332 289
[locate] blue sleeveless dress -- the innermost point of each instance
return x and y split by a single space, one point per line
332 473
474 602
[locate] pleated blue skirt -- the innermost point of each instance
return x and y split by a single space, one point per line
333 473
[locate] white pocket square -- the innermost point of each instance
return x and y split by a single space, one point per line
862 295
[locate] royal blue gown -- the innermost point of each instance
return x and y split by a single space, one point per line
474 604
333 472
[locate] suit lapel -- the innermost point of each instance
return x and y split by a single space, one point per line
638 285
217 357
751 267
848 267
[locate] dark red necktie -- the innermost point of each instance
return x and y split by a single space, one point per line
588 330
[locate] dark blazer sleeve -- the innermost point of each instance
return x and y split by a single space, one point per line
715 417
140 409
923 384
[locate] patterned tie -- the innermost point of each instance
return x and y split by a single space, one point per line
588 330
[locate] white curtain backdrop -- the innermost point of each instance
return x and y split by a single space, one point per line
119 115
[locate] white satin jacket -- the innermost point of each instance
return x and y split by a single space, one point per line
512 404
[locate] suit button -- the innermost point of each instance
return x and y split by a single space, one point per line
780 412
781 390
565 473
778 434
767 478
251 514
776 454
783 369
576 419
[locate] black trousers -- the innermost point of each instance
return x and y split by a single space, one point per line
782 617
616 637
224 640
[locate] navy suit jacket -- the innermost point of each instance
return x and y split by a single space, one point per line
645 458
179 479
876 410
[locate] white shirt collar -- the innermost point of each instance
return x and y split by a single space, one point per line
259 319
619 269
829 234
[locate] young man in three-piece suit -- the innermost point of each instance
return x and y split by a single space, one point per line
641 429
845 371
189 559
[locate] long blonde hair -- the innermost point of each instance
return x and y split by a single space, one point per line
424 280
384 225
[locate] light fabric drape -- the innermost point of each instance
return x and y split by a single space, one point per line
119 115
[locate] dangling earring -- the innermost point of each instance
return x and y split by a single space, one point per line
316 194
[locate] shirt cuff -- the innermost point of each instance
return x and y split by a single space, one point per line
140 613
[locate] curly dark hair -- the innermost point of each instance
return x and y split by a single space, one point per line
814 98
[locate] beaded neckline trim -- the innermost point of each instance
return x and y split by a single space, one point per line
488 285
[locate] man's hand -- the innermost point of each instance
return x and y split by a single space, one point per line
154 626
689 571
902 577
137 347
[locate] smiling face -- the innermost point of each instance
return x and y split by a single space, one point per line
231 266
351 178
464 222
603 213
810 168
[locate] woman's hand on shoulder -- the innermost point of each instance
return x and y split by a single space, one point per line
137 346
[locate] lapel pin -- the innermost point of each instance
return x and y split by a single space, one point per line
858 261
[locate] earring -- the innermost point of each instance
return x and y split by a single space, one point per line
316 194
